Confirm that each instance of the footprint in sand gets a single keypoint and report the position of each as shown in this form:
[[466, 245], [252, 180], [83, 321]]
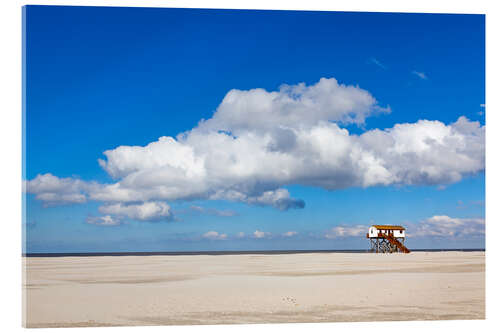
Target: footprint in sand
[[290, 300]]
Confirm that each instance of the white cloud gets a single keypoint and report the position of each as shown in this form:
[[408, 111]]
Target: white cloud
[[106, 220], [261, 234], [279, 198], [259, 142], [213, 211], [292, 106], [445, 226], [420, 75], [214, 235], [482, 105], [341, 231], [147, 211], [251, 169], [378, 63], [54, 190], [240, 234], [290, 233]]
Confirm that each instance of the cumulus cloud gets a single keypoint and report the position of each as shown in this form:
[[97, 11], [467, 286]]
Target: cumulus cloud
[[261, 234], [249, 168], [279, 198], [342, 231], [147, 211], [106, 220], [290, 233], [445, 226], [53, 190], [292, 106], [214, 235], [420, 75], [258, 142]]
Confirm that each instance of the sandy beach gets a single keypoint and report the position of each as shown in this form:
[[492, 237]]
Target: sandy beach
[[232, 289]]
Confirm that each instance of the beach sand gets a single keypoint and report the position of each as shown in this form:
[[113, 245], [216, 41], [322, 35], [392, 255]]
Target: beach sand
[[231, 289]]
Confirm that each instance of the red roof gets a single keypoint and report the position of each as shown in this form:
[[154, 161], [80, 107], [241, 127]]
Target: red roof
[[388, 227]]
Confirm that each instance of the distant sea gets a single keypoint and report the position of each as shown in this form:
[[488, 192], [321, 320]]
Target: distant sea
[[217, 253]]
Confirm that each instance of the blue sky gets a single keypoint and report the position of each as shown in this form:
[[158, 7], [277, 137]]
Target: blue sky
[[100, 78]]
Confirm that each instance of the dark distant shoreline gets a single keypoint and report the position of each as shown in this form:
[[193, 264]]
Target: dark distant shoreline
[[217, 253]]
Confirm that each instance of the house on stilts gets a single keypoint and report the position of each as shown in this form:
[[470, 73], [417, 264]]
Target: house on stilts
[[387, 239]]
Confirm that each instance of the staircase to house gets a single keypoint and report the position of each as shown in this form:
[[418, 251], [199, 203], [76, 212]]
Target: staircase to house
[[391, 239]]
